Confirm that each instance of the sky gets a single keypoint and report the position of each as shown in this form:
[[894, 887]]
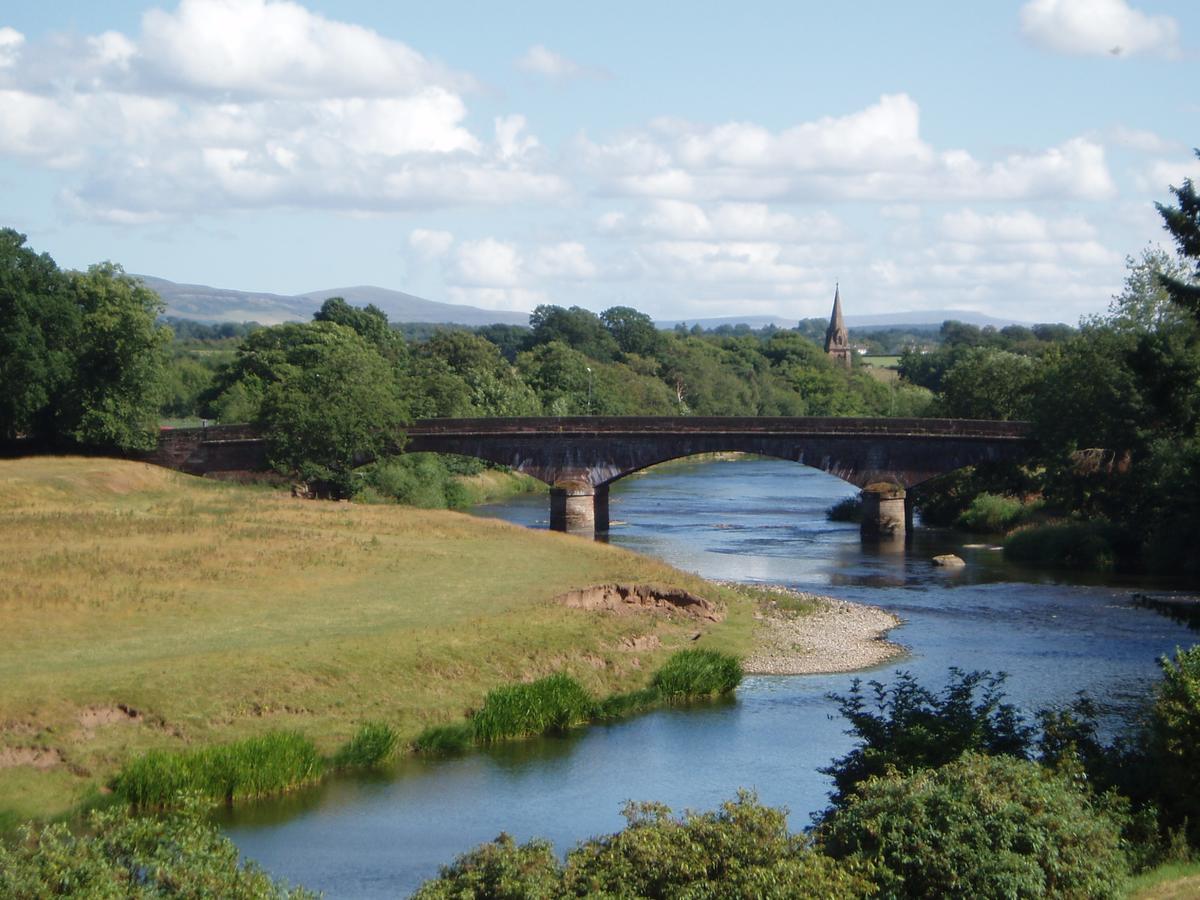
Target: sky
[[689, 159]]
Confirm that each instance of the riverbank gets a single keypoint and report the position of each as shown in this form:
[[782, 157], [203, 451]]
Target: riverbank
[[145, 610], [808, 634]]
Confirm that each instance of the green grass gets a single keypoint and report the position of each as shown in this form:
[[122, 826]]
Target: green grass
[[256, 767], [881, 362], [697, 673], [1170, 881], [219, 613], [1091, 546], [994, 514], [373, 744], [548, 705], [557, 703]]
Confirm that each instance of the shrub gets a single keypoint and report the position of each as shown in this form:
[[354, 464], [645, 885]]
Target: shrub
[[1094, 546], [501, 869], [120, 855], [848, 509], [1175, 739], [256, 767], [444, 739], [992, 514], [550, 704], [741, 850], [978, 827], [373, 744], [909, 727], [697, 673]]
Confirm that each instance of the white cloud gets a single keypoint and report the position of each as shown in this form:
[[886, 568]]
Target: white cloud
[[1020, 225], [488, 263], [540, 60], [10, 46], [238, 104], [1098, 28], [568, 259], [1141, 140], [430, 244], [511, 142], [1158, 175], [276, 48], [876, 152]]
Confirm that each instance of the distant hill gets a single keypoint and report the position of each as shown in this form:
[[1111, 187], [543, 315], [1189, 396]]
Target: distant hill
[[209, 304], [882, 320]]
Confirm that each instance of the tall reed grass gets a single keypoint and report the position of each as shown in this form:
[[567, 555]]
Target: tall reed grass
[[697, 673], [372, 745], [551, 704], [559, 702], [256, 767]]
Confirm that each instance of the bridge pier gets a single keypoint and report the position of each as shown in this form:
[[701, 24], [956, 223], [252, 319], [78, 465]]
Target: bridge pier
[[886, 512], [573, 508], [600, 509]]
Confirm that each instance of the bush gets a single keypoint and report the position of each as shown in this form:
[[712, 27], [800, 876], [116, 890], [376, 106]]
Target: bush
[[373, 744], [992, 514], [255, 767], [444, 739], [501, 870], [909, 727], [120, 855], [741, 850], [697, 673], [1175, 740], [978, 827], [848, 509], [1095, 546], [551, 704]]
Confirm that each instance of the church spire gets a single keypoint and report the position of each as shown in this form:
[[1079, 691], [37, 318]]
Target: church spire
[[837, 338]]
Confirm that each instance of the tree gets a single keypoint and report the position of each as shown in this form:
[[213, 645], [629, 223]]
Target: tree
[[633, 331], [369, 321], [988, 384], [578, 328], [333, 410], [38, 326], [1183, 222], [118, 381], [1144, 305]]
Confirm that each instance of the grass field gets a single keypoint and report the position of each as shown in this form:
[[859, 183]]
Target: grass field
[[144, 609]]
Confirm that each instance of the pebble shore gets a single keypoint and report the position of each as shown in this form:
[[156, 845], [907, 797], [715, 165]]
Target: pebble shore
[[837, 636]]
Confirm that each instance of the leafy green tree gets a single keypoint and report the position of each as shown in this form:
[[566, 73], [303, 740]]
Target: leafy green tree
[[1175, 739], [1145, 306], [633, 331], [578, 328], [1183, 222], [369, 321], [979, 826], [333, 405], [39, 323], [985, 383], [905, 726], [493, 386], [117, 383]]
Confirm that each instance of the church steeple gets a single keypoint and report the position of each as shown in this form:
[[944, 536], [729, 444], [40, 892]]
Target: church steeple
[[837, 338]]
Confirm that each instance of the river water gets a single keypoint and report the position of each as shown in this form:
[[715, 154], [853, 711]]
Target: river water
[[751, 520]]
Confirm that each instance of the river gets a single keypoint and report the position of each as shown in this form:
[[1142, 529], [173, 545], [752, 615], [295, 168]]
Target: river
[[751, 520]]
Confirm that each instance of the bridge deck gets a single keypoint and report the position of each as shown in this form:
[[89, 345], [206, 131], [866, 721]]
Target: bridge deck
[[810, 426]]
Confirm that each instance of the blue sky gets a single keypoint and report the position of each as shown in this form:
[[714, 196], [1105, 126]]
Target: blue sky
[[689, 159]]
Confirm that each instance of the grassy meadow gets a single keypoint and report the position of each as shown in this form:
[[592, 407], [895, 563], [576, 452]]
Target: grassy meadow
[[142, 609]]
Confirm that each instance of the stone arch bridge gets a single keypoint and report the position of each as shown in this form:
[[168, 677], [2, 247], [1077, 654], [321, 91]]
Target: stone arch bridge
[[581, 456]]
